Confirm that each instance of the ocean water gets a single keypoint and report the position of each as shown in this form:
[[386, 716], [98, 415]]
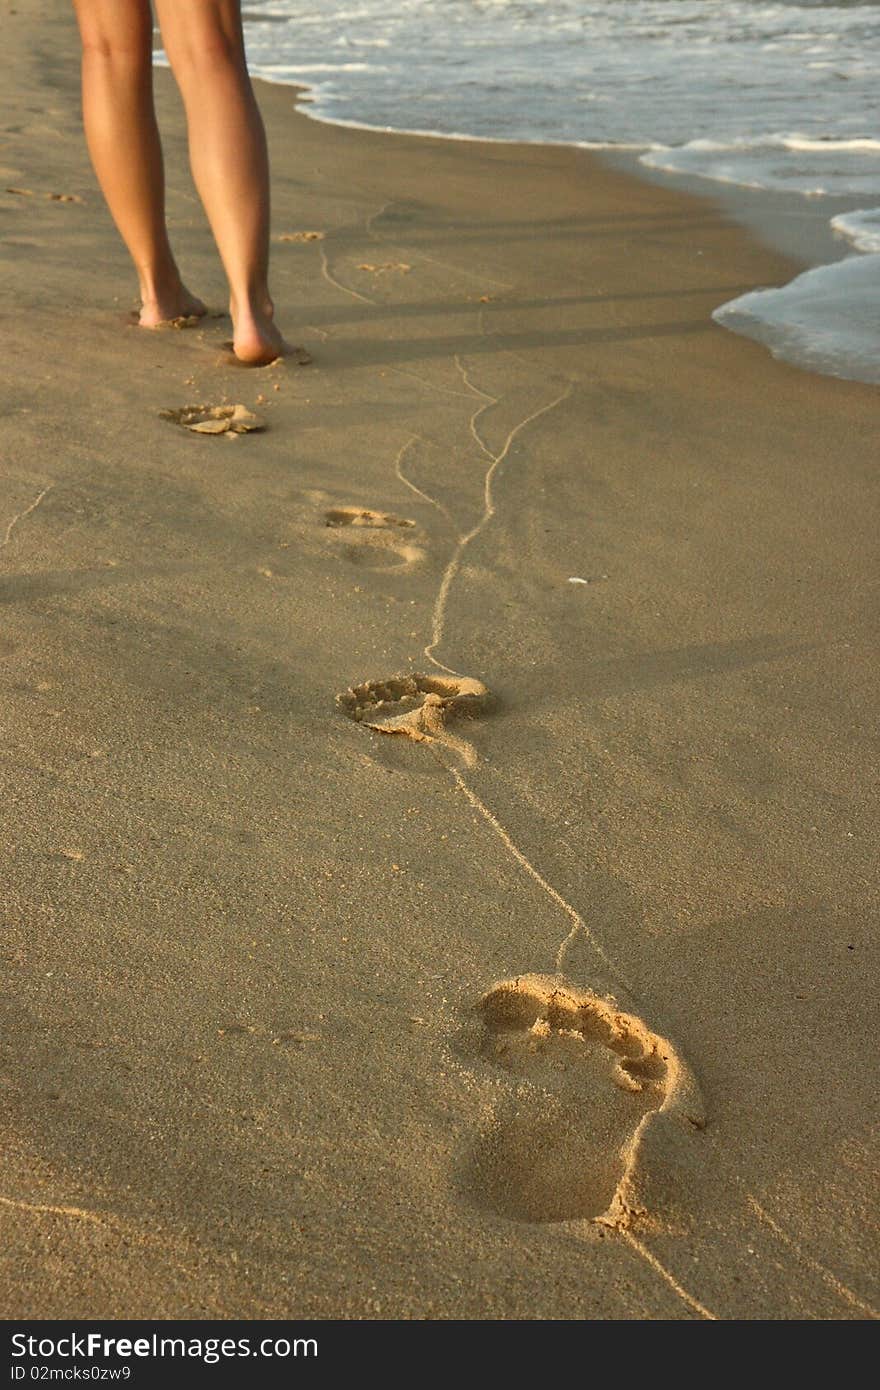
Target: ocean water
[[775, 96]]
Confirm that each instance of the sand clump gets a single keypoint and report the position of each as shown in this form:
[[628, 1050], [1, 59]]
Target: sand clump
[[215, 419]]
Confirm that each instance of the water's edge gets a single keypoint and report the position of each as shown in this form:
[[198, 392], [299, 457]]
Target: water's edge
[[793, 224]]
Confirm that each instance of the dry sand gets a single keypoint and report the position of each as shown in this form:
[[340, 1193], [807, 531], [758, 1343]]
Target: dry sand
[[303, 1019]]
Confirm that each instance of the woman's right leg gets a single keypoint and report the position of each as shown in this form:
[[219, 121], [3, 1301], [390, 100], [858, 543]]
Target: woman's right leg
[[123, 141], [227, 143]]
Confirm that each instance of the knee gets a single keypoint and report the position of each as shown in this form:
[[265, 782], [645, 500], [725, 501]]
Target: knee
[[203, 52], [119, 50]]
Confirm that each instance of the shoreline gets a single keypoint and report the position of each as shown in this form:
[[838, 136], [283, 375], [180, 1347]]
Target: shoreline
[[796, 224], [819, 339], [305, 1020]]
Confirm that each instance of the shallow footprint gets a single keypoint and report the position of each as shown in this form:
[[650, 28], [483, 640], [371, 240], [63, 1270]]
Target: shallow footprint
[[385, 266], [380, 547], [588, 1081], [383, 554], [51, 197], [301, 236], [362, 516]]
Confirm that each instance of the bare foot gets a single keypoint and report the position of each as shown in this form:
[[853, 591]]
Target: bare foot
[[169, 305], [256, 338]]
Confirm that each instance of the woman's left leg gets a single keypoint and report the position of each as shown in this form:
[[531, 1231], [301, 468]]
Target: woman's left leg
[[123, 141]]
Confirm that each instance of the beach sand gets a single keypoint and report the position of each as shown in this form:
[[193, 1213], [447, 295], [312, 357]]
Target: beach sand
[[303, 1019]]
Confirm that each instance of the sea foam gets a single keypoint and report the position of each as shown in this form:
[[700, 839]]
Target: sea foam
[[862, 228], [826, 320], [791, 163]]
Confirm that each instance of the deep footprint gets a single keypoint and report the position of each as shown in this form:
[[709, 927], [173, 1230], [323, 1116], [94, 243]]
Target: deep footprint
[[417, 707], [215, 419], [296, 356], [588, 1081]]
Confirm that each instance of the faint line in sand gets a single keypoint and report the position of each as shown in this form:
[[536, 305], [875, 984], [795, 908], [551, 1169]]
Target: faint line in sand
[[831, 1279], [337, 284], [579, 926], [668, 1278], [476, 391], [438, 617], [399, 473], [472, 386], [45, 1209], [419, 254], [108, 1222], [431, 385], [20, 516]]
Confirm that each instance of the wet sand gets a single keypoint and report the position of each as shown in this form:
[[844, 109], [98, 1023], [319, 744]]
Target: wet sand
[[306, 999]]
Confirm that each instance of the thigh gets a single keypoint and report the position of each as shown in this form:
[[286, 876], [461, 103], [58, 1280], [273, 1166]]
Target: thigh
[[115, 25]]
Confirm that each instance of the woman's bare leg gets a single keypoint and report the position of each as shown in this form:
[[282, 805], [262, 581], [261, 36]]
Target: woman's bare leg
[[123, 141], [227, 143]]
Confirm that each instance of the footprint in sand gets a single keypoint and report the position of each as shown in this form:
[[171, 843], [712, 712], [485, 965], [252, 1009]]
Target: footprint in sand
[[50, 197], [301, 236], [588, 1083], [215, 419], [400, 266], [417, 707], [362, 516], [296, 356], [378, 545], [133, 320]]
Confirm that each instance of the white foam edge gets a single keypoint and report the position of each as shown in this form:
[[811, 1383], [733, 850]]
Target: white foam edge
[[860, 227], [826, 320]]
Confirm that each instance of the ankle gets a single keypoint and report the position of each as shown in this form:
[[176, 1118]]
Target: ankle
[[157, 282], [254, 305]]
